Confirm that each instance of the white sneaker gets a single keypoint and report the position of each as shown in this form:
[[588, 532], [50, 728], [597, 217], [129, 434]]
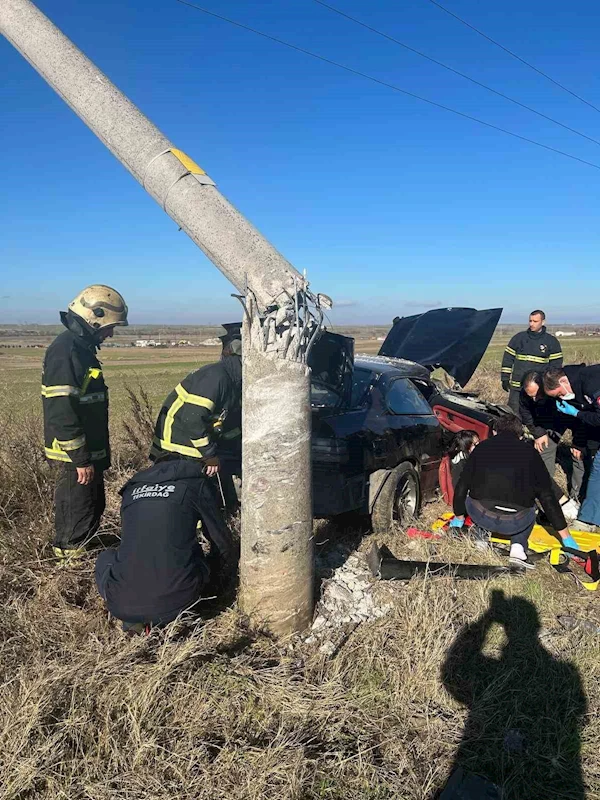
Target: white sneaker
[[570, 509], [518, 557]]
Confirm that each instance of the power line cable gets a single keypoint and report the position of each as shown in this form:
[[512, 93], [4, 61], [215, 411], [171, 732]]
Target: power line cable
[[386, 84], [514, 55], [455, 71]]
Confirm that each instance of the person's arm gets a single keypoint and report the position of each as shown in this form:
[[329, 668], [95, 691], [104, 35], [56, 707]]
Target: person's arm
[[591, 418], [61, 392], [545, 493], [508, 361], [555, 354], [527, 417], [213, 523], [202, 400], [462, 487]]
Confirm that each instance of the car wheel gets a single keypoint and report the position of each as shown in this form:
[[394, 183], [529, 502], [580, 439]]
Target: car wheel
[[399, 500]]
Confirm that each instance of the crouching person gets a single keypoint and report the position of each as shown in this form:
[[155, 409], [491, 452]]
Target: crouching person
[[498, 487], [159, 569]]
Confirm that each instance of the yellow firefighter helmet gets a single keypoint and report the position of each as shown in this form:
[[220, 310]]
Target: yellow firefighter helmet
[[100, 306]]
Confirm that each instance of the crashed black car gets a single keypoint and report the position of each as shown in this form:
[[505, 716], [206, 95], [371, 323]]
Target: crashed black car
[[381, 424]]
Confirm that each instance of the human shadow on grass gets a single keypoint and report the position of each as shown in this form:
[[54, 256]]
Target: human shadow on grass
[[526, 707]]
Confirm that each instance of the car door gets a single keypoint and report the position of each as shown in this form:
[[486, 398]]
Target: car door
[[412, 430]]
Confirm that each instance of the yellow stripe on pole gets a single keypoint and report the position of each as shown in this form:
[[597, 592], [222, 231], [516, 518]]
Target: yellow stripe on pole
[[187, 162]]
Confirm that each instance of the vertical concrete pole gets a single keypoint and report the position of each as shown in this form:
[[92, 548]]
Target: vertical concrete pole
[[276, 563], [276, 566]]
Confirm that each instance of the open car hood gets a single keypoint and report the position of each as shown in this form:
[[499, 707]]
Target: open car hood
[[452, 338]]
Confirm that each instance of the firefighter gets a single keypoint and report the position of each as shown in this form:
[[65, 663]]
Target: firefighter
[[75, 406], [533, 349], [159, 568], [577, 392], [201, 419]]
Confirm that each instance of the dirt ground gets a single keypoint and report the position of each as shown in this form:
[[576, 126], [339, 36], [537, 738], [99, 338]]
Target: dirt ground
[[479, 672]]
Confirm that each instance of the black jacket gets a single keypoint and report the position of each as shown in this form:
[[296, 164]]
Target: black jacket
[[203, 413], [75, 400], [527, 351], [505, 470], [159, 568], [585, 382], [540, 415]]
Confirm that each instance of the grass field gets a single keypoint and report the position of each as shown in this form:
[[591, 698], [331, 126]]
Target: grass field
[[224, 711]]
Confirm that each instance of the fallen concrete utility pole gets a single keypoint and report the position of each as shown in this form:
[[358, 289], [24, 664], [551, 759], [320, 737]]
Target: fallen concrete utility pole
[[385, 566], [282, 319]]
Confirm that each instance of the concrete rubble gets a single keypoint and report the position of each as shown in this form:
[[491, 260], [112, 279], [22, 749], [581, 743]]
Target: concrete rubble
[[348, 598]]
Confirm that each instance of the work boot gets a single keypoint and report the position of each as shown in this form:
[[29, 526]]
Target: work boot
[[135, 628], [518, 557], [67, 555]]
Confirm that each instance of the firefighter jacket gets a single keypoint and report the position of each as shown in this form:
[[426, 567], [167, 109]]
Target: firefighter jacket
[[159, 568], [203, 413], [75, 400], [527, 351], [585, 383]]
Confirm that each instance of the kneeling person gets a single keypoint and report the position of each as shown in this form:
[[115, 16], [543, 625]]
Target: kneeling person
[[159, 569], [500, 482]]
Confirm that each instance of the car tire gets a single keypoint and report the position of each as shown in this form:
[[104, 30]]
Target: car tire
[[398, 501]]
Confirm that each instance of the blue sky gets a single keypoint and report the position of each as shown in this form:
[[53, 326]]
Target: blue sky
[[392, 206]]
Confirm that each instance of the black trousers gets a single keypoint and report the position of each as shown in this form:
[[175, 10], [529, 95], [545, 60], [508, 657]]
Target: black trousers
[[513, 400], [78, 509]]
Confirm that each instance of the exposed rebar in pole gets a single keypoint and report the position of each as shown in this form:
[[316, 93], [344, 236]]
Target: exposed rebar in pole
[[277, 560]]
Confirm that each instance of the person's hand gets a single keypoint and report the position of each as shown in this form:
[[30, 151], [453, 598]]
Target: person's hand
[[85, 475], [457, 522], [576, 453], [542, 443], [506, 386], [566, 408], [568, 540], [212, 466]]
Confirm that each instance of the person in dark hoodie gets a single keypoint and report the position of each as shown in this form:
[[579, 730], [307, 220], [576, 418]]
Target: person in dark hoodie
[[159, 570], [576, 389], [75, 408], [500, 482]]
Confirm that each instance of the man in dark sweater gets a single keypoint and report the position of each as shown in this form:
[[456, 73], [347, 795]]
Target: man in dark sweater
[[499, 485], [159, 569], [547, 425], [577, 392]]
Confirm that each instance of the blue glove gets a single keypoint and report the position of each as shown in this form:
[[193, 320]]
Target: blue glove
[[457, 522], [567, 408], [569, 541]]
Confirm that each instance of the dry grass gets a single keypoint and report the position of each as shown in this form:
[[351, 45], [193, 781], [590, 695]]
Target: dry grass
[[220, 710]]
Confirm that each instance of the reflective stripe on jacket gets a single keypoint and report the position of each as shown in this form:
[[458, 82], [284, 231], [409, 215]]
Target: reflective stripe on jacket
[[202, 411], [75, 403], [527, 351]]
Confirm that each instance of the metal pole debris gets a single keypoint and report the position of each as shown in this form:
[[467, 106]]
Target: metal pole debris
[[282, 318]]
